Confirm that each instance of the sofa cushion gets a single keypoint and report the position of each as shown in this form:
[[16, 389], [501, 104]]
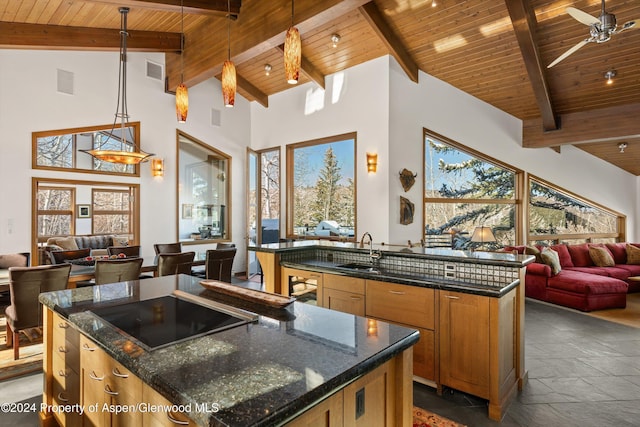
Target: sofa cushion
[[633, 254], [119, 241], [13, 260], [66, 243], [563, 254], [601, 256], [580, 255], [585, 283], [614, 272], [93, 242], [618, 251], [632, 269], [532, 250], [551, 258]]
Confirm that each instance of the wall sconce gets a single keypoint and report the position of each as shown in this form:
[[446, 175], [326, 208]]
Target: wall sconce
[[372, 162], [157, 167]]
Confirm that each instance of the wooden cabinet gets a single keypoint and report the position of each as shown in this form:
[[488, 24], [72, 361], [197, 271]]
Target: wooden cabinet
[[305, 286], [344, 293], [410, 306], [159, 418], [328, 413], [65, 369]]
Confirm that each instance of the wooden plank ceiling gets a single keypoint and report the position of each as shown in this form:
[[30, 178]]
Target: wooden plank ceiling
[[497, 51]]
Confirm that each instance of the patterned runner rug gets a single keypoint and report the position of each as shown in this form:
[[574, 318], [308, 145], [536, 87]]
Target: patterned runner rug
[[424, 418]]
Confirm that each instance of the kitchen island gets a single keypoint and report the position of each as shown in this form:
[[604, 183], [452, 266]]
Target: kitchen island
[[283, 366]]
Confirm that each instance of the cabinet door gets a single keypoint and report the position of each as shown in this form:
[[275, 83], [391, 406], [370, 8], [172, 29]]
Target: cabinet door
[[327, 413], [369, 401], [464, 342], [347, 302], [305, 286]]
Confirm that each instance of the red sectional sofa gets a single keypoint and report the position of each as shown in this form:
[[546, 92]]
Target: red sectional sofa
[[581, 284]]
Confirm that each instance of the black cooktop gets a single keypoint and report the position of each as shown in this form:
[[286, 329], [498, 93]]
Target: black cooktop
[[167, 320]]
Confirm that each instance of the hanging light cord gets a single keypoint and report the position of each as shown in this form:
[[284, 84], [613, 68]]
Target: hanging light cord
[[229, 30], [292, 3], [182, 41], [122, 78]]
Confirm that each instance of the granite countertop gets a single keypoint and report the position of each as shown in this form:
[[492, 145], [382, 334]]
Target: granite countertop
[[261, 373]]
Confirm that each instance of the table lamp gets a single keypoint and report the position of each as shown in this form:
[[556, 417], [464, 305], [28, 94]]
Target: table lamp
[[483, 235]]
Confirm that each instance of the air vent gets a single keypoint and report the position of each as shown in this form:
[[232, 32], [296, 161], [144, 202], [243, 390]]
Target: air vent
[[215, 117], [65, 82], [154, 70]]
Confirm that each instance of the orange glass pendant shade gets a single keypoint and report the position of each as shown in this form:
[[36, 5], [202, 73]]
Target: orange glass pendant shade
[[182, 103], [292, 55], [229, 83]]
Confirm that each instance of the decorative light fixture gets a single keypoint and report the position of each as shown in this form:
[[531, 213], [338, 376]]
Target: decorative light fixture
[[372, 162], [622, 146], [122, 156], [292, 52], [335, 38], [433, 3], [483, 235], [182, 93], [157, 167], [609, 75], [372, 328], [267, 69], [228, 69]]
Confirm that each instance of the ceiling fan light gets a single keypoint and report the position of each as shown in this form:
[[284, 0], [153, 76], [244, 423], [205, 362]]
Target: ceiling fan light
[[292, 55], [229, 83], [182, 103]]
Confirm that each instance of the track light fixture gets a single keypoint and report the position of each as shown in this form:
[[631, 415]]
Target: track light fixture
[[622, 146], [609, 75]]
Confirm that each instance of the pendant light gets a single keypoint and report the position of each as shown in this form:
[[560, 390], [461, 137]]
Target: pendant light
[[182, 93], [228, 69], [124, 156], [292, 52]]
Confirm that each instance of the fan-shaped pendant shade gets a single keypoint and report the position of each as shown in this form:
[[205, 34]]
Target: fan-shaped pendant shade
[[292, 55], [182, 103], [229, 83]]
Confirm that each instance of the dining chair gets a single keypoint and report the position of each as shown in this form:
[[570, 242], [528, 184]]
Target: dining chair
[[179, 263], [25, 285], [117, 270], [218, 264], [167, 248], [129, 251], [225, 245], [59, 257]]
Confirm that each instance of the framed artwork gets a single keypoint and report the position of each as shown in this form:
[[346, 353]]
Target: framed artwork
[[187, 211], [406, 211], [83, 211]]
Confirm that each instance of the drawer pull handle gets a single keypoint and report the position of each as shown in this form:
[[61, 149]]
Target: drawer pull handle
[[61, 398], [63, 325], [61, 349], [93, 376], [355, 298], [451, 297], [175, 421], [110, 392], [396, 292], [86, 347], [118, 374], [62, 373]]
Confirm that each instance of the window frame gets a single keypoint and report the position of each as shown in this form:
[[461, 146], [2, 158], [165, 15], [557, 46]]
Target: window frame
[[97, 212], [70, 212]]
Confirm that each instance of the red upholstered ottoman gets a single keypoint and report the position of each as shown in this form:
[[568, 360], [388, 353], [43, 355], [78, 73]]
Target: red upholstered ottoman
[[586, 292]]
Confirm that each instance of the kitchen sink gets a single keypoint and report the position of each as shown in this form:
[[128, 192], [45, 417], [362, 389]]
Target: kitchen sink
[[365, 268]]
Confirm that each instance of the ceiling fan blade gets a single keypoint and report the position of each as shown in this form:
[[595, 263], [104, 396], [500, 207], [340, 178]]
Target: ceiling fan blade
[[626, 26], [581, 16], [570, 51]]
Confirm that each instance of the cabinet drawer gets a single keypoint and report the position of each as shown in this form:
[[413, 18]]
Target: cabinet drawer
[[63, 397], [347, 302], [344, 283], [411, 305], [65, 375], [65, 340], [152, 397]]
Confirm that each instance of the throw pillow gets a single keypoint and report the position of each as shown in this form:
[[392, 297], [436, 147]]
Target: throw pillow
[[532, 250], [13, 260], [67, 243], [601, 257], [119, 241], [551, 258], [633, 254]]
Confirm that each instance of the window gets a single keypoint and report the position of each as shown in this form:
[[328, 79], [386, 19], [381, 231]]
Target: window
[[464, 190], [55, 212], [60, 149], [112, 211], [204, 197], [558, 216], [321, 186]]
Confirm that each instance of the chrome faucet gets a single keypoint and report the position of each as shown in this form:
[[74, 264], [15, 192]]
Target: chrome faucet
[[374, 255]]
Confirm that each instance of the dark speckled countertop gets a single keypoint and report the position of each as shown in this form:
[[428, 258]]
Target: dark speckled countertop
[[262, 373]]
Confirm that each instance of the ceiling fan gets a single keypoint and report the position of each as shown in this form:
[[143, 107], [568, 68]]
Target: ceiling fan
[[601, 29]]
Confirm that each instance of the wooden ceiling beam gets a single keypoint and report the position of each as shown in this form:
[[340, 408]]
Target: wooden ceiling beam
[[379, 24], [252, 92], [308, 69], [201, 7], [524, 24], [604, 125], [39, 36]]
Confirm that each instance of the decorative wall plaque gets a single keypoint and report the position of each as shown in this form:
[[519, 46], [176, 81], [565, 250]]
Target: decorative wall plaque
[[407, 178], [406, 211]]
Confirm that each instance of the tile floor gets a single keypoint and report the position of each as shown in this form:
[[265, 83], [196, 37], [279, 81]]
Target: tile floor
[[582, 372]]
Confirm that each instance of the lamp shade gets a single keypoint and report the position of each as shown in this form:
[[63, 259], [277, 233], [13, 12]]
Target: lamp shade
[[157, 167], [372, 162], [122, 157], [182, 103], [483, 235], [229, 83], [292, 55]]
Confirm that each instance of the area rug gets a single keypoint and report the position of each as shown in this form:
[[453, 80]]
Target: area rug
[[424, 418], [629, 316], [31, 352]]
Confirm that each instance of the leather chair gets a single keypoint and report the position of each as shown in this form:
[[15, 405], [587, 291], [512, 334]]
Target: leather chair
[[201, 271], [59, 257], [117, 270], [129, 251], [179, 263], [167, 248], [25, 285], [218, 264]]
